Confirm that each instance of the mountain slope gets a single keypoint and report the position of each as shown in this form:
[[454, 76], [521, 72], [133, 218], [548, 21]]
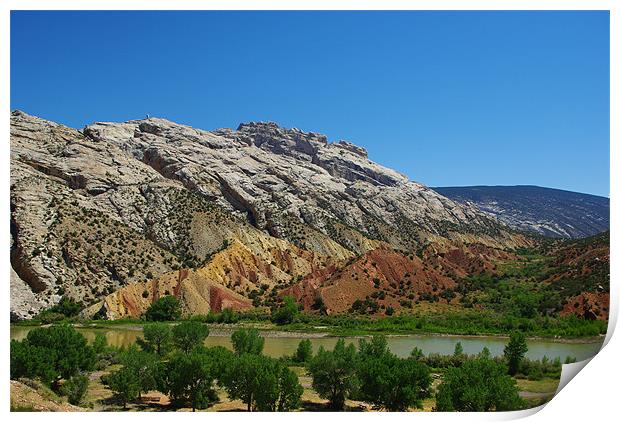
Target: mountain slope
[[123, 204], [549, 212]]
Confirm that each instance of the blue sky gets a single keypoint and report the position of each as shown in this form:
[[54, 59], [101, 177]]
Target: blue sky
[[448, 98]]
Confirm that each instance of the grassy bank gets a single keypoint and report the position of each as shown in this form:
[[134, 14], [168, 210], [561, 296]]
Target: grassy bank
[[480, 323]]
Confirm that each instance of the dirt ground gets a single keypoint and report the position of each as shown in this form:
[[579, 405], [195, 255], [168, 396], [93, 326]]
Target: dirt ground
[[25, 398]]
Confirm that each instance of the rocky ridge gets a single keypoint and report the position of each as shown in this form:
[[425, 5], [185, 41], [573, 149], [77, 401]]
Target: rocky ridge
[[251, 210], [544, 211]]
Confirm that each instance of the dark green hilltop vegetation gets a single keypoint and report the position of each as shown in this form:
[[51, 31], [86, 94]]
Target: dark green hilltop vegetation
[[173, 361]]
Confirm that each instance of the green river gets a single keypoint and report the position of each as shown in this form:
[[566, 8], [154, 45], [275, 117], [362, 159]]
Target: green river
[[285, 343]]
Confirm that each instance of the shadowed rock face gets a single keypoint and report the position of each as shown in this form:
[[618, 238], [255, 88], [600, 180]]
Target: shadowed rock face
[[122, 204]]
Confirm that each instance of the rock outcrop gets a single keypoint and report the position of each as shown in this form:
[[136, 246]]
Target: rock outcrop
[[254, 210]]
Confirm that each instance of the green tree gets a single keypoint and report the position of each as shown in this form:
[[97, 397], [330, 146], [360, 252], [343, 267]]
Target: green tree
[[227, 316], [515, 351], [189, 334], [478, 385], [289, 397], [375, 348], [262, 383], [485, 353], [220, 359], [287, 312], [100, 344], [75, 388], [333, 373], [67, 307], [189, 379], [31, 361], [166, 308], [416, 353], [247, 341], [157, 338], [392, 383], [303, 353], [458, 349], [387, 381], [51, 354], [143, 365], [251, 375], [125, 384]]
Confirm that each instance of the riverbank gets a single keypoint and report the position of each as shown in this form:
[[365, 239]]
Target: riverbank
[[280, 343], [296, 330]]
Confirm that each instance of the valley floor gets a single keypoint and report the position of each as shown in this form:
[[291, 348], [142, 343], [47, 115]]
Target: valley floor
[[28, 395]]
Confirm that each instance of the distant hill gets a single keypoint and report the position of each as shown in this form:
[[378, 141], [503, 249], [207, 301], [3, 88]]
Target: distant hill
[[549, 212]]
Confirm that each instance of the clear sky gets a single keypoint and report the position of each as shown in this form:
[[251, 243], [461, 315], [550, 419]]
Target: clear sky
[[448, 98]]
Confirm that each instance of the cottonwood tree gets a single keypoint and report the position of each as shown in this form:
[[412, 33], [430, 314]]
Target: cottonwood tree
[[167, 308], [515, 351], [53, 353], [303, 353], [157, 338], [125, 384], [287, 312], [389, 382], [247, 341], [189, 379], [189, 334], [478, 385], [143, 365], [333, 373]]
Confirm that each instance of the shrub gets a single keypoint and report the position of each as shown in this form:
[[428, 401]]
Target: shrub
[[479, 385], [287, 312], [333, 373], [166, 308], [247, 341], [75, 388], [157, 338], [515, 351], [303, 353], [50, 354]]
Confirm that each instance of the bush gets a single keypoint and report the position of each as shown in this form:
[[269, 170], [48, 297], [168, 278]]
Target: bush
[[166, 308], [479, 385], [247, 341], [287, 312], [303, 353], [515, 351], [75, 388], [157, 338], [333, 373], [189, 334], [51, 354]]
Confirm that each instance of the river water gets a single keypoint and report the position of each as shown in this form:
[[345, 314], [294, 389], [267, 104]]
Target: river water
[[278, 344]]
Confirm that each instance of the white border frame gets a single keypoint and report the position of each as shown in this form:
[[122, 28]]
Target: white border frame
[[590, 396]]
